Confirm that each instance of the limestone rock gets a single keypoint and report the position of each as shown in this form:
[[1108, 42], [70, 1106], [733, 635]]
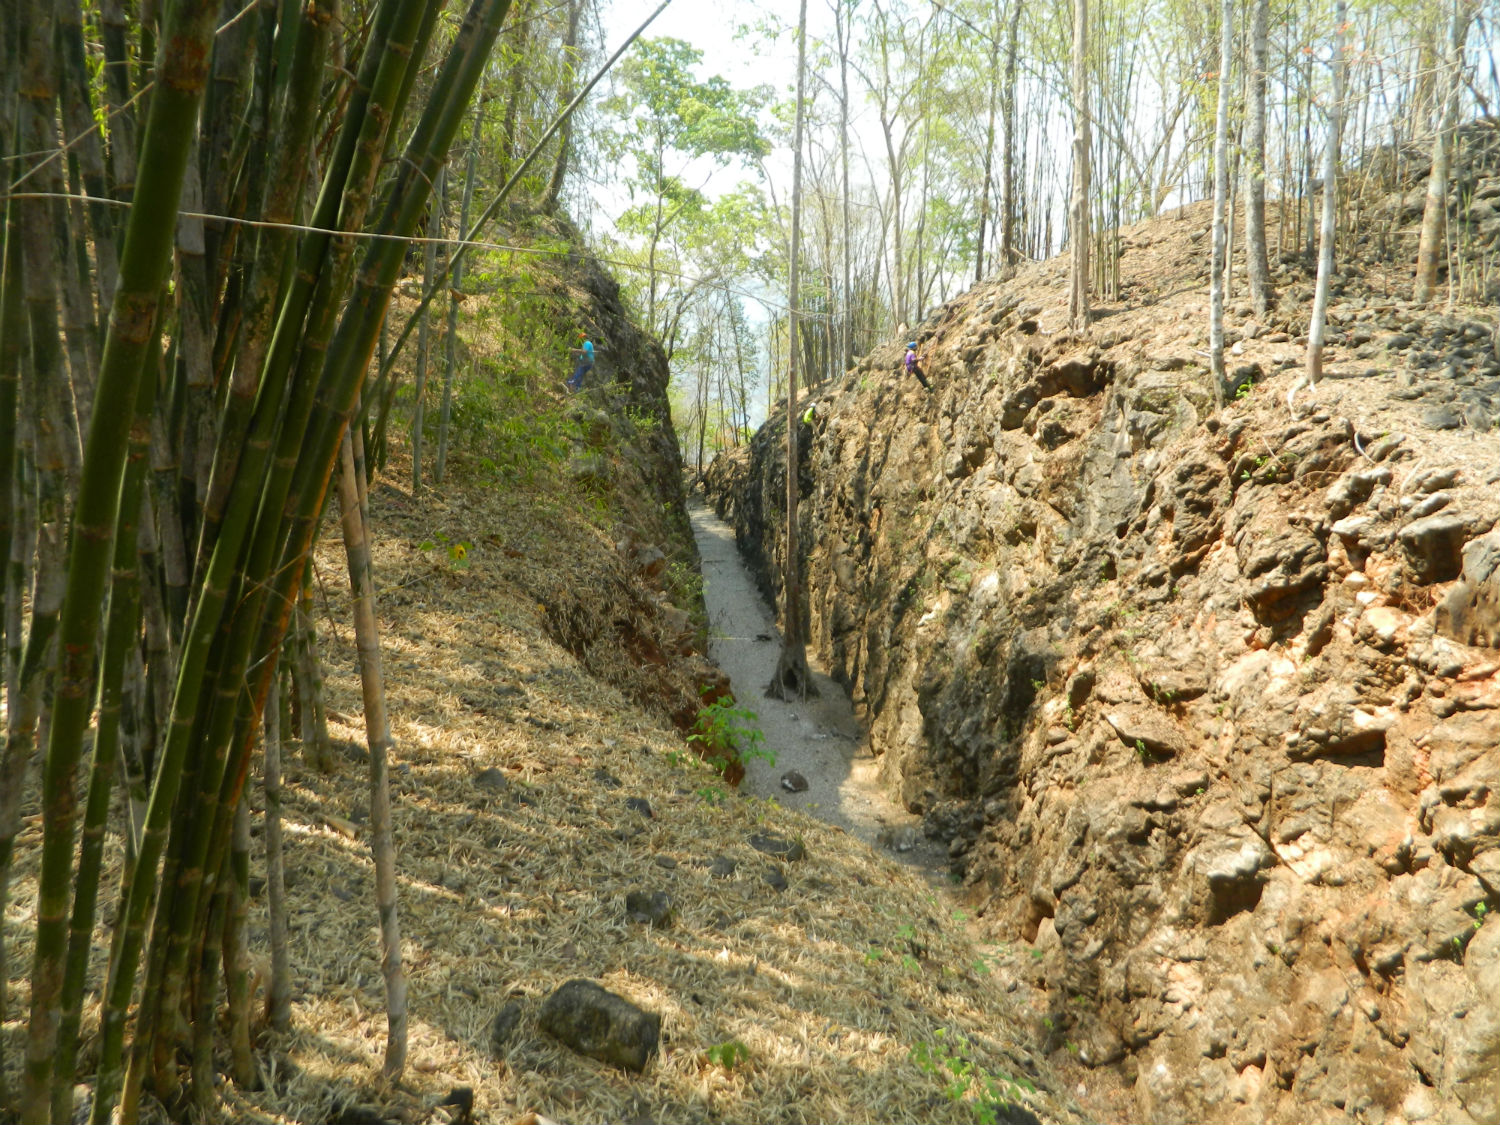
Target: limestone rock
[[597, 1023], [1470, 611], [1146, 729], [1432, 547]]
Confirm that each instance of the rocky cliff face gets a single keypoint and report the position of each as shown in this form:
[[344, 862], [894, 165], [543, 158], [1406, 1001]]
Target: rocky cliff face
[[1204, 699]]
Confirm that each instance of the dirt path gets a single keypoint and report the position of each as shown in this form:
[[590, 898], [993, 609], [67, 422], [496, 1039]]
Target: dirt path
[[819, 738]]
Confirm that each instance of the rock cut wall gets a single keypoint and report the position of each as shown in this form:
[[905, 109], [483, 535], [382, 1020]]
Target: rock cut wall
[[1203, 699]]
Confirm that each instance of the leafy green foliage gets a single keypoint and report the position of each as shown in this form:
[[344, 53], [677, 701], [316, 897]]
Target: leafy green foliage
[[728, 735], [729, 1054], [966, 1082]]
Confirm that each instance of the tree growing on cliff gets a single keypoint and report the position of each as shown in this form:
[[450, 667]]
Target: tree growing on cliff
[[1078, 204], [792, 678]]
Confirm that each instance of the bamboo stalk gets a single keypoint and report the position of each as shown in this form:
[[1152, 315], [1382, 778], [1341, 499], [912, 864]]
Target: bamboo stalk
[[120, 637], [279, 992], [193, 838], [236, 950], [378, 738]]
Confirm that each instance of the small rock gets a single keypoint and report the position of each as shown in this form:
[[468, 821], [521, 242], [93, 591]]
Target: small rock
[[492, 778], [607, 779], [1442, 418], [503, 1026], [597, 1023], [793, 782], [640, 805], [775, 879], [665, 861], [779, 846], [1148, 730], [1433, 547], [722, 867], [654, 909], [1431, 503]]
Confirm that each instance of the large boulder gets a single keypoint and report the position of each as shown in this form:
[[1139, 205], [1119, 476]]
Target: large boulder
[[595, 1022]]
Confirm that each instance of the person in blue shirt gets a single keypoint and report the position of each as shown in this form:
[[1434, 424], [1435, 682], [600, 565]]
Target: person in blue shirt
[[585, 353]]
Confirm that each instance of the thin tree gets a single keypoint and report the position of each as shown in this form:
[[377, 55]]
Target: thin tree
[[378, 739], [455, 293], [1078, 206], [1257, 258], [1315, 328], [1221, 203], [1431, 248], [792, 678]]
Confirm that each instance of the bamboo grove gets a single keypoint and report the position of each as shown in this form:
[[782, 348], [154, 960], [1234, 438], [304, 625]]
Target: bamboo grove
[[208, 205]]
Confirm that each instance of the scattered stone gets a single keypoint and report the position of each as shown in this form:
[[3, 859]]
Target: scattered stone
[[607, 779], [722, 867], [780, 847], [665, 861], [654, 909], [640, 805], [774, 878], [492, 778], [601, 1025], [503, 1026], [1442, 417], [793, 782]]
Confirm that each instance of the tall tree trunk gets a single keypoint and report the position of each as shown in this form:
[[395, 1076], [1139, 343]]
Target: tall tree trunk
[[424, 337], [1257, 258], [792, 678], [1008, 172], [378, 737], [1431, 249], [1078, 207], [846, 322], [565, 94], [450, 343], [1221, 203], [989, 149], [1326, 232]]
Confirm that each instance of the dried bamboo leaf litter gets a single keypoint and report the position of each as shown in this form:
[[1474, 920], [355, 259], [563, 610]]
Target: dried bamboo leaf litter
[[516, 850]]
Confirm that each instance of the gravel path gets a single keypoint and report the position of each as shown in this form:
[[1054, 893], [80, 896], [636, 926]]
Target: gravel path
[[819, 737]]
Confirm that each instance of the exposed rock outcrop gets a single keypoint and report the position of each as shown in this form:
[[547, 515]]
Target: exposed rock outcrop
[[1207, 700]]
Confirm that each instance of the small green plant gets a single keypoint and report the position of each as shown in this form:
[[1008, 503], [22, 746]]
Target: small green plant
[[457, 552], [711, 794], [950, 1058], [1481, 912], [728, 735], [728, 1055]]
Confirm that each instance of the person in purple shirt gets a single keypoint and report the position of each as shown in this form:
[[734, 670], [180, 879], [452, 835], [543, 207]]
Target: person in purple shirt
[[914, 365]]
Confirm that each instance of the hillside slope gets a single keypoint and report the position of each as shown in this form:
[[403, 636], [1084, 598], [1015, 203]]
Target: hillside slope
[[1203, 700], [542, 645]]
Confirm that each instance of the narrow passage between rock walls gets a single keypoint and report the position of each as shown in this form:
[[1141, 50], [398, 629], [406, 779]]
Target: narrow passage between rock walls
[[818, 738]]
